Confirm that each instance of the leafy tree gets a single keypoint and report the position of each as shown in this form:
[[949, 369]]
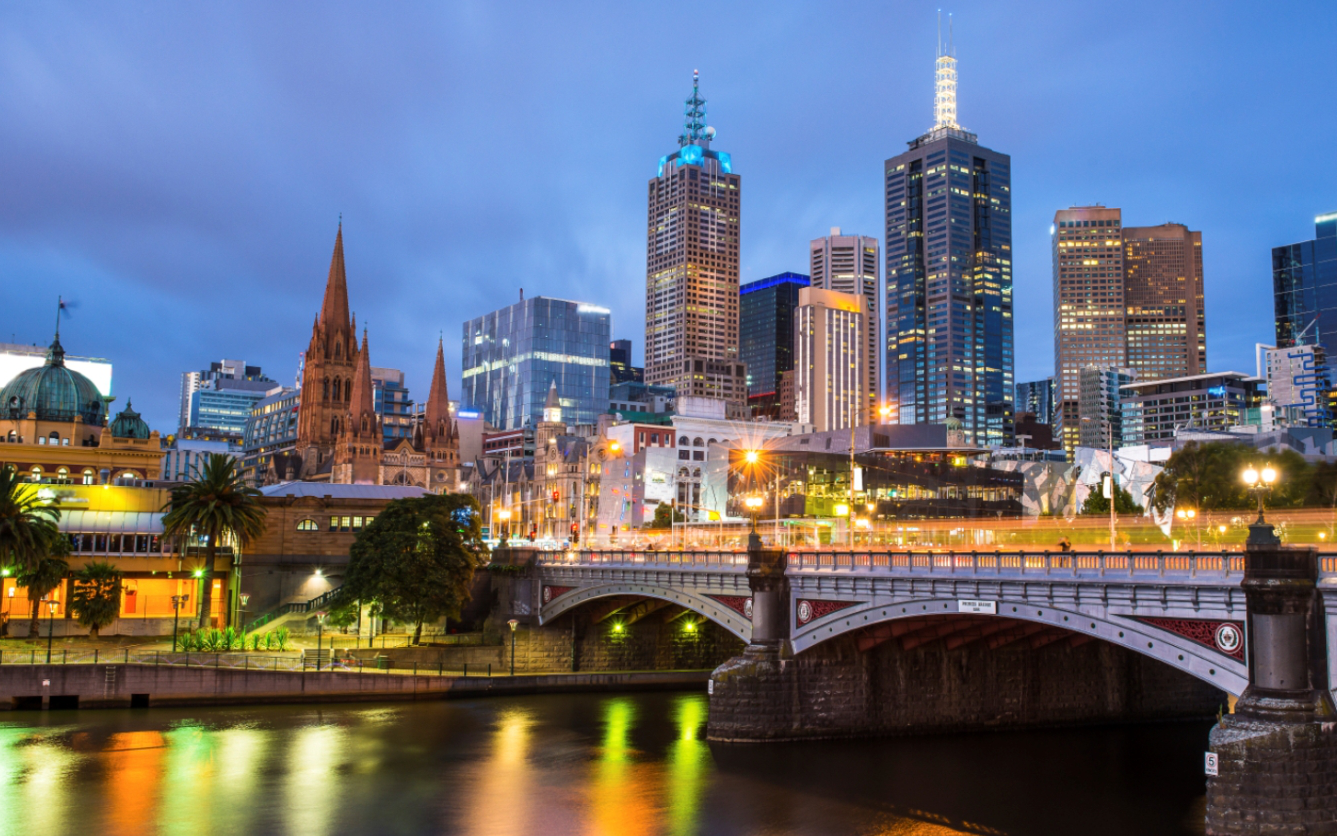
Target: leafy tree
[[666, 515], [1205, 477], [96, 597], [1096, 503], [44, 576], [343, 616], [27, 525], [416, 560], [216, 504]]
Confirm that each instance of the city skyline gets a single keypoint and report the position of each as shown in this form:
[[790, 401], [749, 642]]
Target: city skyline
[[140, 199]]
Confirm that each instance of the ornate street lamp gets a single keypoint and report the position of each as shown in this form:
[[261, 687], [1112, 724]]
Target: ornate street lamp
[[1190, 515], [320, 637], [178, 601], [505, 516], [1260, 482], [513, 624]]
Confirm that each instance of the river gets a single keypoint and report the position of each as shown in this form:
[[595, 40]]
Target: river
[[588, 764]]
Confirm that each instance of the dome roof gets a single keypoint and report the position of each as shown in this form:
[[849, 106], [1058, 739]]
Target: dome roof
[[128, 424], [54, 392]]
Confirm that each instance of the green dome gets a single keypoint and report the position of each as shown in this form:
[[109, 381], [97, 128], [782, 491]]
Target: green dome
[[54, 392], [128, 424]]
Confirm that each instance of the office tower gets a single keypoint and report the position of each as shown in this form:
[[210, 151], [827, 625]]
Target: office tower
[[1299, 384], [849, 264], [949, 277], [1304, 281], [1037, 398], [223, 375], [1100, 405], [1088, 306], [766, 336], [619, 364], [513, 355], [392, 403], [1154, 409], [830, 350], [691, 282], [1165, 323]]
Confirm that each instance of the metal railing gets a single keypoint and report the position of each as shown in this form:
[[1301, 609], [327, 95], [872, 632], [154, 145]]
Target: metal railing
[[1215, 564], [297, 663], [293, 606]]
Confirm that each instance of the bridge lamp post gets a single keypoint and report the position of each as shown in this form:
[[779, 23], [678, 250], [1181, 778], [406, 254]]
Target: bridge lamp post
[[505, 516], [1189, 514], [1260, 482], [513, 624]]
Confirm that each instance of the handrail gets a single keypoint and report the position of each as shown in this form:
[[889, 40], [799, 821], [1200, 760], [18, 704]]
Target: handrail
[[293, 606], [1216, 565]]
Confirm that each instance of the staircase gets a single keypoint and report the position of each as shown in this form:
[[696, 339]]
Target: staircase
[[282, 613]]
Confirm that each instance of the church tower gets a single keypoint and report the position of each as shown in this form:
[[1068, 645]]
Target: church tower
[[327, 375], [361, 441], [440, 436], [552, 424]]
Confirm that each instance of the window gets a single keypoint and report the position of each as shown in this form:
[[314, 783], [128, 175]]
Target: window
[[345, 524], [357, 523], [307, 525], [334, 523], [88, 477], [37, 473]]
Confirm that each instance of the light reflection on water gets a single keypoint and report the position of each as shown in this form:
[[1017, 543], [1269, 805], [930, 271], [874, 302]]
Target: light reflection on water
[[630, 765]]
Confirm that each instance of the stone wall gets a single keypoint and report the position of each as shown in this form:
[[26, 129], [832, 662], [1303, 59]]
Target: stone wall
[[646, 645], [837, 690], [1273, 778]]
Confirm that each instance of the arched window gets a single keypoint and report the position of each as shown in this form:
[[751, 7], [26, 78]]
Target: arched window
[[89, 477], [36, 473], [712, 441], [697, 442], [684, 441], [682, 472], [336, 388], [696, 473], [63, 474], [54, 439], [334, 426], [307, 525], [325, 388], [338, 355], [348, 391]]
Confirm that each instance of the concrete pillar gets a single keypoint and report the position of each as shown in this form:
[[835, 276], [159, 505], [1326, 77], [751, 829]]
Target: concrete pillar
[[1277, 753], [752, 696]]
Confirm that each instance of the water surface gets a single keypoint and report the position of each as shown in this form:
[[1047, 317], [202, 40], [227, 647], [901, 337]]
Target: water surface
[[608, 764]]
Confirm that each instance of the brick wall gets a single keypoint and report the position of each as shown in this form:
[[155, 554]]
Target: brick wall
[[649, 644], [836, 690], [1273, 778]]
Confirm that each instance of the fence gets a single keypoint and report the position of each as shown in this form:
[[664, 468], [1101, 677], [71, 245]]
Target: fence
[[241, 661]]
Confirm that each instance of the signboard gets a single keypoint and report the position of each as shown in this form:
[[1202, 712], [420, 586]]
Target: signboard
[[977, 607], [1211, 765], [858, 478]]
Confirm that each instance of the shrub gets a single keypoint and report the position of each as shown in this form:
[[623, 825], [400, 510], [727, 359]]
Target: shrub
[[281, 638]]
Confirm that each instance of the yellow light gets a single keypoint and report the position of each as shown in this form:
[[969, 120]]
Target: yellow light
[[615, 447], [1221, 529], [1269, 475], [1250, 476], [752, 456], [1323, 535], [842, 510], [861, 523], [753, 502], [503, 515]]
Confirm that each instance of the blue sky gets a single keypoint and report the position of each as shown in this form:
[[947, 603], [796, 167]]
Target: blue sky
[[179, 169]]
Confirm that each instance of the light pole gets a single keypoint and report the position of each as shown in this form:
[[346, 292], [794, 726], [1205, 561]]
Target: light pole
[[178, 601], [1187, 514], [513, 624], [50, 625], [243, 598], [505, 516], [320, 636], [1260, 482], [1114, 495]]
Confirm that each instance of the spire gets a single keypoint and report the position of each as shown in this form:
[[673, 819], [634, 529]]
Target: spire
[[944, 95], [694, 119], [361, 403], [334, 310], [552, 407], [438, 399]]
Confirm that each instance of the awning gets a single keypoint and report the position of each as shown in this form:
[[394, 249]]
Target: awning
[[111, 522]]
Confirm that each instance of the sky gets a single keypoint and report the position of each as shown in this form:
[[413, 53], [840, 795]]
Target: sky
[[179, 170]]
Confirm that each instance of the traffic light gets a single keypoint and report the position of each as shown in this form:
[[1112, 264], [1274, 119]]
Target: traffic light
[[575, 533], [554, 496]]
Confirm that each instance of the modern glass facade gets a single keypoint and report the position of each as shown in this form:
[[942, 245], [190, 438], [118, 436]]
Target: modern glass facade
[[511, 357], [223, 411], [766, 329], [1037, 398], [1304, 280], [390, 399]]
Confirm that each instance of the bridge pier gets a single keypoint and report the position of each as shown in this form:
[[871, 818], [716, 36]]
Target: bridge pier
[[1277, 753]]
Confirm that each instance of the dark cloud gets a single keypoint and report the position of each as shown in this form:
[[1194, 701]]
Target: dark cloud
[[180, 168]]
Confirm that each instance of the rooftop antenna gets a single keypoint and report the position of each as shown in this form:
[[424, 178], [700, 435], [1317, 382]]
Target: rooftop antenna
[[944, 95]]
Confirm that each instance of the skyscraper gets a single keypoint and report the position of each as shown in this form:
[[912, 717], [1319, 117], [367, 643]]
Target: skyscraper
[[766, 336], [1166, 323], [1304, 280], [1037, 398], [1088, 306], [512, 356], [830, 350], [691, 281], [849, 264], [619, 364], [217, 400], [949, 276]]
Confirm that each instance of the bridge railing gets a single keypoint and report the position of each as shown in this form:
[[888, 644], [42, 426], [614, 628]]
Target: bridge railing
[[1192, 564], [646, 557]]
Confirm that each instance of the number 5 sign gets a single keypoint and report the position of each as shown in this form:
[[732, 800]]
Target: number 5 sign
[[1210, 766]]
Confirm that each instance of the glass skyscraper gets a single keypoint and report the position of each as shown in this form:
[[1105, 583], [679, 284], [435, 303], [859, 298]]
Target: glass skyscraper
[[511, 357], [949, 277], [1304, 279], [766, 330]]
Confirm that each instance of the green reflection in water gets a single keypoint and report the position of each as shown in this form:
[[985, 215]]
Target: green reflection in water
[[314, 758], [688, 764], [188, 781], [240, 756], [36, 770]]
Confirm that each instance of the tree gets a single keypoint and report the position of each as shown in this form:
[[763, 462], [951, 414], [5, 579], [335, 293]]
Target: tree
[[666, 515], [1323, 487], [27, 525], [216, 504], [96, 597], [415, 562], [1096, 503], [343, 616], [1204, 477], [43, 577]]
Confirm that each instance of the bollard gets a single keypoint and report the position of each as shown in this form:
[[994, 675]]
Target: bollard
[[415, 668], [276, 663], [489, 668], [65, 656], [127, 656], [95, 655], [246, 663], [466, 668], [32, 657], [155, 658], [440, 668]]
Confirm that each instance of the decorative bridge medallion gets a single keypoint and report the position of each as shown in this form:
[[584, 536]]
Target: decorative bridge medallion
[[809, 610], [551, 592], [1222, 636], [738, 603]]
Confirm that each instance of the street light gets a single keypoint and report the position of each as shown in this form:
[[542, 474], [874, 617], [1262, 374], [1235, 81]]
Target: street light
[[884, 411], [1260, 482], [513, 623], [1189, 514], [178, 601], [320, 636], [752, 456], [753, 504], [50, 624], [505, 516]]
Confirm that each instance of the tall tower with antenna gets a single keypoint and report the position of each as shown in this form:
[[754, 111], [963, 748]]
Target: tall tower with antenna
[[949, 352]]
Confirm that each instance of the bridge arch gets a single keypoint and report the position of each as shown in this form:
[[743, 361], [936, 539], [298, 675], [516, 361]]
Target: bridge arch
[[730, 619], [1194, 658]]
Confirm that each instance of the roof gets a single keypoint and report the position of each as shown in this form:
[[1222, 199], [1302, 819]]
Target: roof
[[324, 489], [53, 392], [1239, 376], [80, 521]]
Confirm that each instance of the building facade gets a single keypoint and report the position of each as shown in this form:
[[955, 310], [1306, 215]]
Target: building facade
[[830, 352], [184, 456], [1299, 384], [513, 355], [391, 399], [849, 264], [691, 283], [271, 430], [1166, 322], [1037, 398], [1100, 405], [1304, 284], [620, 369], [230, 381], [949, 277], [766, 334], [19, 358], [1155, 410]]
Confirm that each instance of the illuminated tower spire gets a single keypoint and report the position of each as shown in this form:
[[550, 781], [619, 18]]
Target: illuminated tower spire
[[944, 95], [694, 120]]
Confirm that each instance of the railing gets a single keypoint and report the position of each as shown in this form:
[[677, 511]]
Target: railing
[[294, 606], [297, 663], [1219, 565]]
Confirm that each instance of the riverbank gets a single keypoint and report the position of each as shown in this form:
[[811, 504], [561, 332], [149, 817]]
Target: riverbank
[[33, 687]]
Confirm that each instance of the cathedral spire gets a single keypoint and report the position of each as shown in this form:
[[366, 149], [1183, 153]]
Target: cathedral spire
[[362, 406], [438, 399], [334, 310]]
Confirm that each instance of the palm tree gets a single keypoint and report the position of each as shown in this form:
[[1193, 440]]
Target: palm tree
[[96, 597], [27, 525], [217, 503], [43, 577]]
